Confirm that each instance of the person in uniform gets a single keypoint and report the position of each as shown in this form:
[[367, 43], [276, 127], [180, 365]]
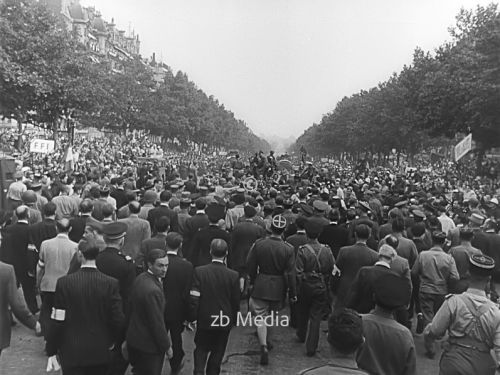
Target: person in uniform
[[473, 325], [345, 336], [389, 348], [112, 262], [271, 268], [314, 265]]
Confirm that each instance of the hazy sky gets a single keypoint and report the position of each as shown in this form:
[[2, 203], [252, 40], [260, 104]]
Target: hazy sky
[[279, 65]]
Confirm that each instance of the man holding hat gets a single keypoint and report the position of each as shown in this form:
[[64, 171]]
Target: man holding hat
[[389, 348], [314, 265], [271, 265], [473, 325]]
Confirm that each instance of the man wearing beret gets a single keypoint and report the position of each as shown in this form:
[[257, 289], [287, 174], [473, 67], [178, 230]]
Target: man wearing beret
[[271, 266], [389, 348], [473, 325], [314, 265], [437, 271]]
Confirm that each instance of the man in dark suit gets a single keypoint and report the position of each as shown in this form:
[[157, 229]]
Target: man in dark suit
[[243, 236], [195, 223], [147, 336], [334, 234], [45, 229], [87, 318], [360, 296], [163, 210], [158, 241], [78, 223], [14, 251], [176, 286], [200, 247], [350, 261], [215, 293], [10, 298], [119, 194]]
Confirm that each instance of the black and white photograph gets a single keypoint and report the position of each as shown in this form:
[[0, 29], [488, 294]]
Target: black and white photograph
[[249, 187]]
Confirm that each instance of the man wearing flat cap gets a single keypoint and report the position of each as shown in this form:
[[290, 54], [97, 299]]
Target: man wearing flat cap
[[397, 354], [270, 264], [472, 321]]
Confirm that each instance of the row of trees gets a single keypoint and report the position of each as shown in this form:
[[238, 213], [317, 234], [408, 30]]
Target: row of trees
[[47, 78], [456, 90]]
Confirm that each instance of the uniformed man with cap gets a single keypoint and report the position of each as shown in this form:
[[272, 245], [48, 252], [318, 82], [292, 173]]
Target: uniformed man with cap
[[461, 254], [270, 265], [314, 265], [473, 325], [112, 262]]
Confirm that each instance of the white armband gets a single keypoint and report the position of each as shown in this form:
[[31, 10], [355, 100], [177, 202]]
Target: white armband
[[58, 314], [195, 293]]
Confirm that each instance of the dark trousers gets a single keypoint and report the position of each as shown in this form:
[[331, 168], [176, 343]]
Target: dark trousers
[[28, 284], [415, 301], [210, 344], [88, 370], [145, 363], [430, 304], [176, 328], [46, 310], [118, 365], [311, 307]]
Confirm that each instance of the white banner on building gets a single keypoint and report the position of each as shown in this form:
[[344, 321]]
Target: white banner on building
[[42, 146], [463, 147]]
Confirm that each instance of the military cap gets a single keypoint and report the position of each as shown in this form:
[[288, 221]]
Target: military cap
[[401, 204], [114, 231], [278, 222], [240, 191], [419, 213], [186, 200], [392, 291], [320, 205], [306, 209], [476, 219], [466, 230], [439, 235], [174, 187], [481, 265], [203, 188], [364, 205], [39, 175]]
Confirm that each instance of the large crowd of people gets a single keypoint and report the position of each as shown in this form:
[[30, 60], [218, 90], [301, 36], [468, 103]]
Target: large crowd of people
[[127, 245]]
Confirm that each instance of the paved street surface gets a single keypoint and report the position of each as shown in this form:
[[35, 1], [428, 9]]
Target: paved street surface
[[26, 357]]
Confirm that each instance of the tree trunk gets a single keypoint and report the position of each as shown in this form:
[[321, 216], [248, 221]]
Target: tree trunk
[[479, 159], [20, 130]]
